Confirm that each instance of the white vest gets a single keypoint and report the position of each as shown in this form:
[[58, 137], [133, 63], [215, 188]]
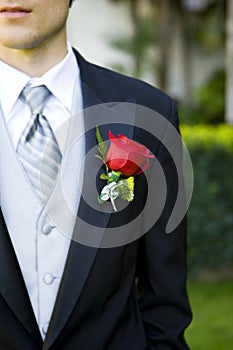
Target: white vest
[[41, 235]]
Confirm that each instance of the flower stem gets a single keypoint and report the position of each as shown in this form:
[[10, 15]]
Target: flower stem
[[113, 204]]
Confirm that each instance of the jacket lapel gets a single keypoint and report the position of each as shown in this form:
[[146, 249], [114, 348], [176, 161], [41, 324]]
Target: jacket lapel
[[12, 286], [91, 224]]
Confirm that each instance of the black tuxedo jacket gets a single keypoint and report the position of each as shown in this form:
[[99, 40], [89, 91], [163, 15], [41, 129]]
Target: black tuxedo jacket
[[99, 305]]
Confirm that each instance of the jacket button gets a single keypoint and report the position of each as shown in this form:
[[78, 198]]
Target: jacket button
[[47, 229]]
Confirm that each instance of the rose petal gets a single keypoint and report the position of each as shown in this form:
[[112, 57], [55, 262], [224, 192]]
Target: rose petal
[[143, 167], [127, 156], [125, 143], [129, 168], [115, 157]]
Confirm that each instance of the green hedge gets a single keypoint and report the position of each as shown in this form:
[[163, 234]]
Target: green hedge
[[210, 215]]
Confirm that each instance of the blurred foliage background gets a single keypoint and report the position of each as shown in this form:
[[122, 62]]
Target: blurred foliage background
[[197, 30], [201, 31], [210, 214]]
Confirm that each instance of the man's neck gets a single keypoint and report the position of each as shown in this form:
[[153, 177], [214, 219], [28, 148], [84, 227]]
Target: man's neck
[[33, 62]]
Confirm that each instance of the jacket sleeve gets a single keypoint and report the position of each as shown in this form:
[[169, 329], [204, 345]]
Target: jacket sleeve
[[161, 265]]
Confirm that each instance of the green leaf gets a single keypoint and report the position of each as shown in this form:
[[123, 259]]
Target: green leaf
[[104, 177], [100, 200], [100, 158], [114, 176], [103, 149]]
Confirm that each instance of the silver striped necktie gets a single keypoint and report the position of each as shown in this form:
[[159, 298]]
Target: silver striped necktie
[[37, 148]]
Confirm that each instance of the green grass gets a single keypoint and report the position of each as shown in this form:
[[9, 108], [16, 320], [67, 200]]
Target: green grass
[[212, 326]]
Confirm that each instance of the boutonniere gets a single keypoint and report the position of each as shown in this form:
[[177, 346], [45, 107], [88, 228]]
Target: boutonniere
[[123, 160]]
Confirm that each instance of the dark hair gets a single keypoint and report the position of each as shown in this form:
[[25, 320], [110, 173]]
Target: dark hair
[[71, 2]]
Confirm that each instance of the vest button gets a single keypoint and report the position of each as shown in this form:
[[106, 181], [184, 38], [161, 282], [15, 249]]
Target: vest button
[[48, 278], [47, 229], [45, 328]]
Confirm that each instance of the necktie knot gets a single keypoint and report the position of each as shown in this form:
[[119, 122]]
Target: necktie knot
[[35, 97]]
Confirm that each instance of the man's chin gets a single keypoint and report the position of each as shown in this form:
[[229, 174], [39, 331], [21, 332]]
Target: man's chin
[[17, 42], [23, 44]]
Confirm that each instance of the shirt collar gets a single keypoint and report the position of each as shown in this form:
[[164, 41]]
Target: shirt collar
[[59, 80], [12, 82]]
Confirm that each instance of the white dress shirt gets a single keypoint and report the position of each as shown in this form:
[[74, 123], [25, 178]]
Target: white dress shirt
[[60, 80], [42, 253]]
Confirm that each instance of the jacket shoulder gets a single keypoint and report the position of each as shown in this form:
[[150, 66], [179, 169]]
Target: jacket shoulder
[[122, 87], [144, 93]]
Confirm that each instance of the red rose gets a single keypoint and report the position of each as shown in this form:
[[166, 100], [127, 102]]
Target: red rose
[[127, 156]]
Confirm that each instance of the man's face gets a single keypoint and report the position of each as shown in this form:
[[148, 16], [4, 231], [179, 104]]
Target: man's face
[[27, 24]]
